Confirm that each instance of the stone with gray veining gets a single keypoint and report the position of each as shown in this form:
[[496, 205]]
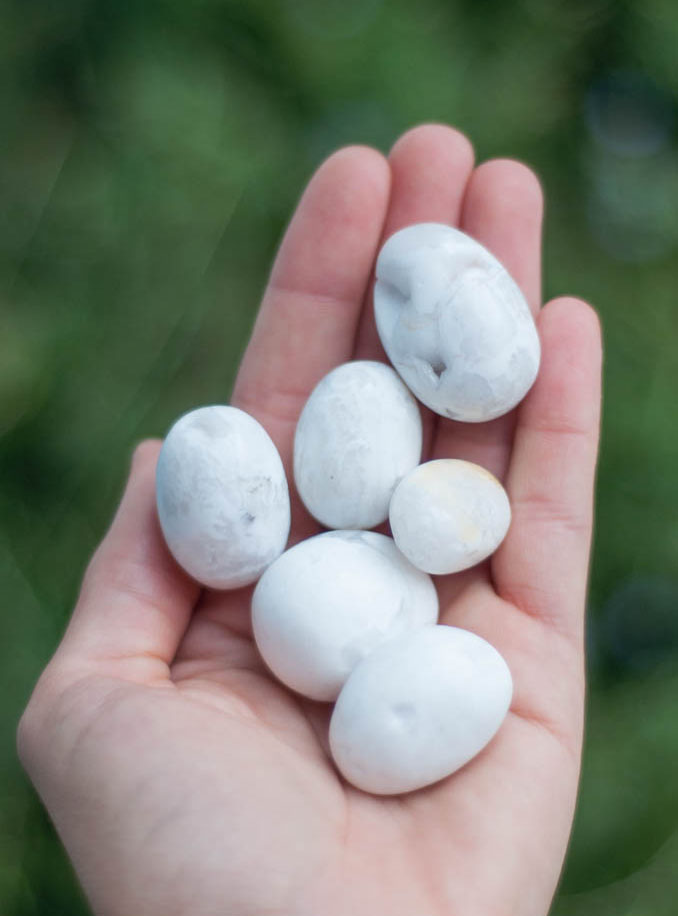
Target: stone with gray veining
[[358, 435], [454, 324], [222, 496]]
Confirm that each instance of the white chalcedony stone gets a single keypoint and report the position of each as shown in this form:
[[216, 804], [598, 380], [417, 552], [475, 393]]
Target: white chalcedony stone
[[447, 515], [418, 708], [453, 323], [331, 600], [357, 436], [222, 496]]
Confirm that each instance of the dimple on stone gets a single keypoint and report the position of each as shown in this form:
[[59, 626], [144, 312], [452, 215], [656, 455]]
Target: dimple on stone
[[404, 716]]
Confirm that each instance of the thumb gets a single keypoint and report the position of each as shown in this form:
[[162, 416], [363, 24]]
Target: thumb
[[135, 602]]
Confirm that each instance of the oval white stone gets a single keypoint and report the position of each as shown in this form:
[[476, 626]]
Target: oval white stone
[[447, 515], [357, 436], [418, 708], [327, 602], [222, 496], [453, 323]]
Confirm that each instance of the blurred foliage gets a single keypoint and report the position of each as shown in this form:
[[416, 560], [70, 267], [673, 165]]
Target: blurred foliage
[[151, 155]]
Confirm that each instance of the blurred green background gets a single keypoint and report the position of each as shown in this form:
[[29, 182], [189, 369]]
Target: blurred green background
[[151, 155]]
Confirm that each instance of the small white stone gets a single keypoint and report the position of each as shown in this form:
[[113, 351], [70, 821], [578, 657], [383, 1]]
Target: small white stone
[[357, 436], [453, 323], [222, 496], [329, 601], [448, 515], [417, 709]]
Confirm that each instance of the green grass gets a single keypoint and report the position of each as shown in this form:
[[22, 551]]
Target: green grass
[[151, 156]]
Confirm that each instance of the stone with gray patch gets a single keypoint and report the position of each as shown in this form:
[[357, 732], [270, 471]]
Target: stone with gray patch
[[222, 496]]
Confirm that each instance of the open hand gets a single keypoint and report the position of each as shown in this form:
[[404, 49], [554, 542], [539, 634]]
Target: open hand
[[183, 779]]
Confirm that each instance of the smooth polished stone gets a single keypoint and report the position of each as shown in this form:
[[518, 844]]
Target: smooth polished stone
[[417, 709], [329, 601]]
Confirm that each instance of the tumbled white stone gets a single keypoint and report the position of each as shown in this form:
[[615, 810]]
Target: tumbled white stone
[[447, 515], [453, 323], [357, 436], [222, 496], [329, 601], [418, 708]]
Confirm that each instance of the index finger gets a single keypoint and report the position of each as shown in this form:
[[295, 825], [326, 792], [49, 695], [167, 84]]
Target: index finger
[[307, 321]]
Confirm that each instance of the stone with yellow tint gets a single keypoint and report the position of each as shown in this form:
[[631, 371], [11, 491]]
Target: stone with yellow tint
[[447, 515]]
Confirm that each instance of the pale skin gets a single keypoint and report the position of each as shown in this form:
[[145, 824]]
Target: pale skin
[[183, 779]]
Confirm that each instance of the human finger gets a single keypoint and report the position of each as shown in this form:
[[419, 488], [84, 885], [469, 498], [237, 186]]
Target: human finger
[[542, 565], [308, 317], [135, 602], [502, 209]]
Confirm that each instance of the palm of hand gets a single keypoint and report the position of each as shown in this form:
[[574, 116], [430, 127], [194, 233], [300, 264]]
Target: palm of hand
[[182, 778]]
